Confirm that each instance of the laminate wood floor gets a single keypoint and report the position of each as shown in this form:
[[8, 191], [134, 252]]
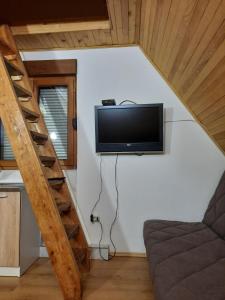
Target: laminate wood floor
[[120, 279]]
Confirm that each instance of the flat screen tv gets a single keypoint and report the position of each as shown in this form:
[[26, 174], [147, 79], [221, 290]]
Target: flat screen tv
[[129, 128]]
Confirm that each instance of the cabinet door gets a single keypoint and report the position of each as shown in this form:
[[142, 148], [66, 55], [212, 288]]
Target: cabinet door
[[9, 228]]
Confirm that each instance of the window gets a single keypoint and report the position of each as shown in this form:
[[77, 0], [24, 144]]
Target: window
[[57, 99], [5, 150], [54, 107]]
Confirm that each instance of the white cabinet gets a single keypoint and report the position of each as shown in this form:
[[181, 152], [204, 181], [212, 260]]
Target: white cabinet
[[19, 234]]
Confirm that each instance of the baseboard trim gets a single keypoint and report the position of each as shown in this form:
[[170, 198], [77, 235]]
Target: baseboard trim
[[130, 254], [95, 254], [43, 252], [105, 252], [93, 248], [8, 272]]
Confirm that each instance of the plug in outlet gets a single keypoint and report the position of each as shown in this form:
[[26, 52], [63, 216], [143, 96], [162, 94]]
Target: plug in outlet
[[94, 219]]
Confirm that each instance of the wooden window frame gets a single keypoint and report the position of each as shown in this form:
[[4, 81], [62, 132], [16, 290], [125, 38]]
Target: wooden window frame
[[50, 73], [69, 81]]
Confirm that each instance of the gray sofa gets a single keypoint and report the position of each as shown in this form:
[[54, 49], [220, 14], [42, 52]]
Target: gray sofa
[[187, 260]]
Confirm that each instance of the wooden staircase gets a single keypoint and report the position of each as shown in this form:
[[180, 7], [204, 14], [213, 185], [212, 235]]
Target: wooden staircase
[[43, 177]]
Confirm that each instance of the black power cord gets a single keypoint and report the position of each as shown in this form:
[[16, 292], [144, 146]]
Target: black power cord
[[99, 244], [95, 205], [117, 207], [116, 213], [130, 101], [100, 192]]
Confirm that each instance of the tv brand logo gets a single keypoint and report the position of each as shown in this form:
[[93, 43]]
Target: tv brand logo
[[128, 145]]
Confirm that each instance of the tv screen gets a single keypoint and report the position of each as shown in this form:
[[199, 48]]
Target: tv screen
[[129, 128]]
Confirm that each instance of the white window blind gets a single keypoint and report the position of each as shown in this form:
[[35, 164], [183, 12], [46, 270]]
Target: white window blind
[[53, 103], [6, 150]]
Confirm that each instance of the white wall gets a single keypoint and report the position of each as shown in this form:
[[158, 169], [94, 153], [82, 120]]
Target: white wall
[[174, 186]]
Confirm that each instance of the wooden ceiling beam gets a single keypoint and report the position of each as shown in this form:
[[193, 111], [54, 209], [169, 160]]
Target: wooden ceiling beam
[[61, 27]]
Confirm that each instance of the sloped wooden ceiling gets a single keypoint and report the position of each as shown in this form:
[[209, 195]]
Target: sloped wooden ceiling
[[184, 39]]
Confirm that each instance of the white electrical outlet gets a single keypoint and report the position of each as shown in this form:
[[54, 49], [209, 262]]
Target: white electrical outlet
[[94, 218]]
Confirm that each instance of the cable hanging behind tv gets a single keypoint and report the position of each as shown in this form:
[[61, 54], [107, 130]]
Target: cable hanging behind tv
[[136, 128]]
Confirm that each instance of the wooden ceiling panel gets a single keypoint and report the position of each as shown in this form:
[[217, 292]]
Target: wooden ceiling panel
[[188, 48], [184, 39], [213, 111], [202, 15], [125, 19]]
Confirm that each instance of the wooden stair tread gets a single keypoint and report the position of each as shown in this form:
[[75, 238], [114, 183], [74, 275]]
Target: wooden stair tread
[[6, 50], [24, 99], [16, 77], [47, 161], [63, 207], [80, 255], [56, 183], [71, 230], [39, 138], [13, 69], [29, 114], [21, 92], [52, 172]]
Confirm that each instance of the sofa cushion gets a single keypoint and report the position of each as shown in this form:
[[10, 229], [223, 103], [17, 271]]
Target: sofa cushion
[[187, 260], [215, 213]]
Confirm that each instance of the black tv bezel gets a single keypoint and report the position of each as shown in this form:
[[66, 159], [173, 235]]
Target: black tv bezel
[[113, 148]]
